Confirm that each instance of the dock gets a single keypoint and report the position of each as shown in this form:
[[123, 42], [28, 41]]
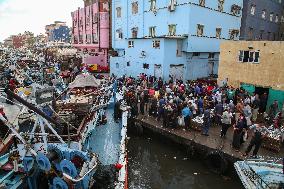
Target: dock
[[215, 150]]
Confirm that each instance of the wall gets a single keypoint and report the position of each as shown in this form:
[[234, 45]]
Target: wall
[[62, 33], [186, 16], [257, 23], [93, 21], [268, 73]]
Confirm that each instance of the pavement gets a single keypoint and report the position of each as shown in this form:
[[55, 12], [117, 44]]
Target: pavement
[[213, 141]]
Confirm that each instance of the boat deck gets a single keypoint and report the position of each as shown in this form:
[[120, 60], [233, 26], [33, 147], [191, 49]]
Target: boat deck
[[105, 139]]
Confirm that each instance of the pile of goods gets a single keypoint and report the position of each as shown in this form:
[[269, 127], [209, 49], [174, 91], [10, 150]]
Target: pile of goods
[[197, 122], [274, 139]]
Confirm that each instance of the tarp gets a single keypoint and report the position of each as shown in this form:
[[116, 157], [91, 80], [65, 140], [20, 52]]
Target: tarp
[[84, 80], [249, 88], [275, 95]]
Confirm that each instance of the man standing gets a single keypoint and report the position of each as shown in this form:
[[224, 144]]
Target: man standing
[[226, 122], [239, 109], [218, 112], [206, 122], [256, 140], [186, 113], [255, 107]]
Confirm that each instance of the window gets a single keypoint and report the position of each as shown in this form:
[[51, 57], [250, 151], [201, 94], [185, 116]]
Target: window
[[196, 54], [95, 18], [88, 39], [117, 65], [218, 33], [250, 34], [249, 56], [202, 3], [135, 7], [95, 38], [252, 10], [134, 32], [119, 34], [152, 31], [233, 34], [118, 12], [172, 5], [261, 34], [179, 48], [200, 29], [211, 55], [271, 17], [263, 14], [146, 66], [221, 5], [128, 63], [268, 35], [130, 44], [156, 44], [172, 29], [235, 9], [274, 36], [153, 5], [276, 18]]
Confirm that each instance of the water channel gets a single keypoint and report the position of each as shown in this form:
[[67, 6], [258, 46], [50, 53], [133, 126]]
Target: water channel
[[155, 165]]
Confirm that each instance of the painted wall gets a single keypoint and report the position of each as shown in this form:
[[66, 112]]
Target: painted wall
[[61, 34], [268, 72], [258, 23], [91, 32], [186, 17]]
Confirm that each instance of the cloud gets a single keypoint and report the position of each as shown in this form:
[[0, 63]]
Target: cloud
[[17, 16]]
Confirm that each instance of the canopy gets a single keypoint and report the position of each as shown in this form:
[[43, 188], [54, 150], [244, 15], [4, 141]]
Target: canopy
[[84, 80]]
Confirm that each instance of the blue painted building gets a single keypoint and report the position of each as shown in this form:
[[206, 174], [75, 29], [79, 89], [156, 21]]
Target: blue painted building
[[58, 32], [261, 20], [62, 34], [172, 37]]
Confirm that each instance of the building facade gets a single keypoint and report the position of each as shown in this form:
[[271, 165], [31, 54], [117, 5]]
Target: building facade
[[91, 31], [255, 65], [282, 26], [261, 20], [170, 37], [58, 32]]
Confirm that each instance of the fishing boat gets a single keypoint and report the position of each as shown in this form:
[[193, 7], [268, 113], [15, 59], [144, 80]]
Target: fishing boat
[[74, 143], [261, 173]]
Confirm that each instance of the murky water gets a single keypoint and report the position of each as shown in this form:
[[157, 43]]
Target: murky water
[[155, 165]]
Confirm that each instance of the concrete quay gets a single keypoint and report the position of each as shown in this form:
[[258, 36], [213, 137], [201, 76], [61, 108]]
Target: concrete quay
[[216, 152]]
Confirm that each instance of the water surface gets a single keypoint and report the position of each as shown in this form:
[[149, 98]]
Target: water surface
[[156, 165]]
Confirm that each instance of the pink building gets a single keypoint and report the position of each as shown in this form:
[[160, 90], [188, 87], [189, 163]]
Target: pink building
[[91, 31]]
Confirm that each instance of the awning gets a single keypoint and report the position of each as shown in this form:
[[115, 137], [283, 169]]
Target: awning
[[84, 80]]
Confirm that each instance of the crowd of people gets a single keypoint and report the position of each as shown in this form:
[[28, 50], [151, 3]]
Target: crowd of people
[[177, 103]]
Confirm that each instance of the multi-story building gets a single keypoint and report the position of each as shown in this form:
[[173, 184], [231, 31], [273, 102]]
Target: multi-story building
[[58, 32], [8, 42], [180, 38], [282, 26], [257, 66], [91, 31], [18, 41], [261, 20]]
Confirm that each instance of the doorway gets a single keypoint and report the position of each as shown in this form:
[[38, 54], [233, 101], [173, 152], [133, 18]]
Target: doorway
[[158, 73], [263, 97], [177, 71]]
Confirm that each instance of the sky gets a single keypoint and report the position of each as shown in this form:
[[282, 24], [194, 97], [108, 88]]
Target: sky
[[17, 16]]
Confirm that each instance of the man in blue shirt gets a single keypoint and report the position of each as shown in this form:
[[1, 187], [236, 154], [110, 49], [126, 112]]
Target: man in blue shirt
[[186, 113]]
